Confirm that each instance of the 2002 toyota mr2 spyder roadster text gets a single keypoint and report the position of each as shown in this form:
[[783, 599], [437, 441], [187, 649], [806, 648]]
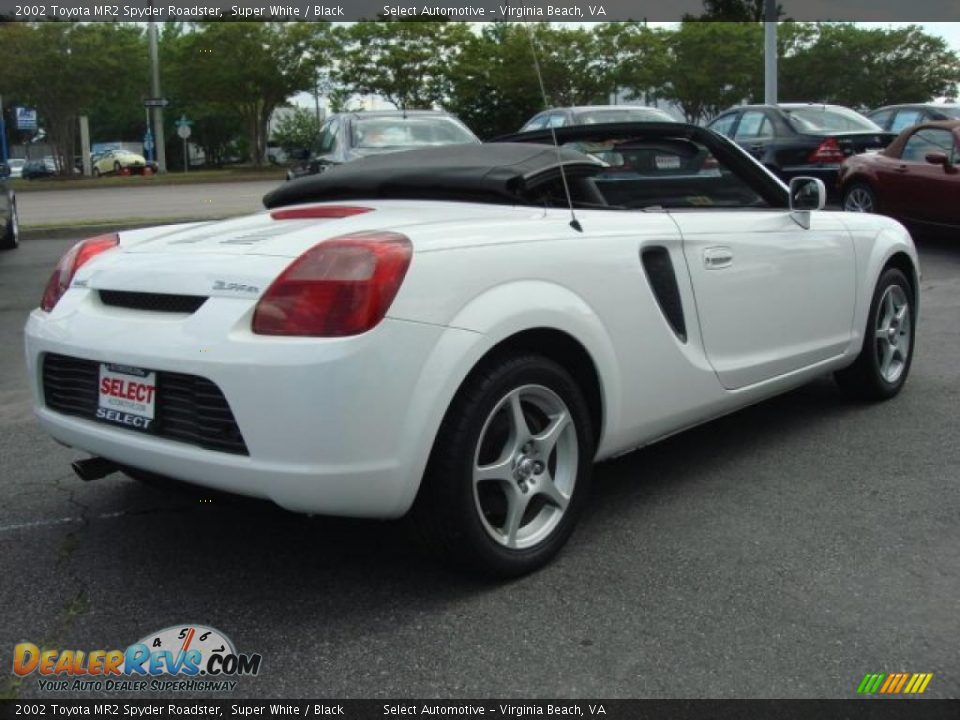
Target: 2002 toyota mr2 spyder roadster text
[[459, 333]]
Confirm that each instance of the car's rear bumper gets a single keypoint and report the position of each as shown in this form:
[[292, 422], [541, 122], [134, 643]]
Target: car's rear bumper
[[326, 422]]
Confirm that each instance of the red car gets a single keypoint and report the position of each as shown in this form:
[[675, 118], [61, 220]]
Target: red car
[[915, 179]]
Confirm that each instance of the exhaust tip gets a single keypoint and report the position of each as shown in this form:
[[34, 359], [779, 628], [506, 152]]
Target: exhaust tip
[[93, 468]]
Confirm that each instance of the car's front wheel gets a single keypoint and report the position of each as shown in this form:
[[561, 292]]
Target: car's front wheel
[[11, 234], [860, 197], [883, 364], [510, 469]]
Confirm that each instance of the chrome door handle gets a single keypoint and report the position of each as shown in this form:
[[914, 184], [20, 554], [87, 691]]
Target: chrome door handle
[[715, 258]]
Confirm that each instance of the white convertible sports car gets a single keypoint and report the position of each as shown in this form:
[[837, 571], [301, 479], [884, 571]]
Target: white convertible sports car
[[459, 333]]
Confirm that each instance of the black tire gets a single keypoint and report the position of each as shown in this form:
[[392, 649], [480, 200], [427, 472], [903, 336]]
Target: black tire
[[96, 172], [117, 167], [865, 379], [457, 518], [10, 239], [860, 197]]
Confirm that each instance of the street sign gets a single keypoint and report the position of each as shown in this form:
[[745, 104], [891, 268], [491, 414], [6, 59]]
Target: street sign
[[148, 144], [155, 102], [183, 127], [26, 118]]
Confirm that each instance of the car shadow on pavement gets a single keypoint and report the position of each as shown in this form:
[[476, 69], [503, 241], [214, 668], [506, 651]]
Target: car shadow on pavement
[[257, 547]]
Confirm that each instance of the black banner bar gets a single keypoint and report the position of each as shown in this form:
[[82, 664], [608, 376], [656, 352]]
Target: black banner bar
[[462, 10], [865, 709]]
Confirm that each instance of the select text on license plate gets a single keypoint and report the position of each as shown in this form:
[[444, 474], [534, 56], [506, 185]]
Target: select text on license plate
[[128, 396]]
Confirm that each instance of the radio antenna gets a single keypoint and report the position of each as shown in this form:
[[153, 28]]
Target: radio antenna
[[574, 223]]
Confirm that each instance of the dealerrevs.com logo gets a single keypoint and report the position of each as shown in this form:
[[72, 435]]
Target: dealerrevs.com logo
[[178, 658]]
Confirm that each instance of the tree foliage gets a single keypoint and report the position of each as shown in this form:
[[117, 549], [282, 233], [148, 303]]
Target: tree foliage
[[712, 65], [495, 88], [229, 77], [298, 129], [406, 62], [245, 69], [892, 65], [68, 69]]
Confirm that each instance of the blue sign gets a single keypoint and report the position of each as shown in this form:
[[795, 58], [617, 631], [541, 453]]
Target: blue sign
[[25, 118], [148, 144]]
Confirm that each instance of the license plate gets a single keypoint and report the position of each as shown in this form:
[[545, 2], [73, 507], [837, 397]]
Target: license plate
[[667, 162], [128, 396]]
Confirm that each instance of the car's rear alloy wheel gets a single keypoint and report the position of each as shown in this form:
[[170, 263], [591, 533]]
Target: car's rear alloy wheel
[[96, 172], [860, 198], [510, 468], [117, 168], [11, 235], [525, 466], [881, 368]]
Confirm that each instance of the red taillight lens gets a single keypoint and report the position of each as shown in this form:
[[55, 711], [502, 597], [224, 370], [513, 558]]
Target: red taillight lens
[[72, 261], [343, 286], [827, 152]]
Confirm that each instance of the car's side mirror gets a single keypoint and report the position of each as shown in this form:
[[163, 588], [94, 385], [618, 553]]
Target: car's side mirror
[[806, 194], [939, 158]]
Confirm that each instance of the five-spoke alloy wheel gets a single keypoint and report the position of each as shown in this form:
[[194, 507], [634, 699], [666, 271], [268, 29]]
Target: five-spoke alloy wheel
[[882, 366], [525, 467], [510, 468]]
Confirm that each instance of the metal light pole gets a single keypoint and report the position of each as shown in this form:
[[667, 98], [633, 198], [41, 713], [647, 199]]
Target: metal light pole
[[770, 52], [158, 132], [3, 134]]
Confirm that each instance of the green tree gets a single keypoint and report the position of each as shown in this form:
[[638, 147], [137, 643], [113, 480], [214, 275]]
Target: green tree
[[635, 57], [298, 129], [68, 69], [714, 65], [893, 65], [246, 69], [405, 62], [735, 10], [495, 87]]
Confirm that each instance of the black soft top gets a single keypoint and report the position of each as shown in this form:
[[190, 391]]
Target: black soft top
[[508, 169], [491, 172]]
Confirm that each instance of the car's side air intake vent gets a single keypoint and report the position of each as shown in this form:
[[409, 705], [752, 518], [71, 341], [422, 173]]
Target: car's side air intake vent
[[663, 282], [152, 302]]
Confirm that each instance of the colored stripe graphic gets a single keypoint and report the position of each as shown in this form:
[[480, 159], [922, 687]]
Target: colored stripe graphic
[[894, 683]]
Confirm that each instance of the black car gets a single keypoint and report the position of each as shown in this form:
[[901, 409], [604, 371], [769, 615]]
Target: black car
[[35, 169], [348, 136], [794, 139], [899, 117], [9, 222]]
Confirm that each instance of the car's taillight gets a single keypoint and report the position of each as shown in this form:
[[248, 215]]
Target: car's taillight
[[827, 152], [343, 286], [72, 261]]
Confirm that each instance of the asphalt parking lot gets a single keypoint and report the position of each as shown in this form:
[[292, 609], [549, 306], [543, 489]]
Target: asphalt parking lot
[[161, 202], [783, 551]]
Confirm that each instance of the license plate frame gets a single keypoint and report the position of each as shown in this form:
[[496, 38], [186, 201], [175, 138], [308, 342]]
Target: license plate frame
[[127, 396]]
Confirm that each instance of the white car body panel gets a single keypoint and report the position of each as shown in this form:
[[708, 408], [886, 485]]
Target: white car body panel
[[345, 425]]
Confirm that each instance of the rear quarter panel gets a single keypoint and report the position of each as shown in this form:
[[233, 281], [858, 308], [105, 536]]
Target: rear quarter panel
[[591, 286]]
